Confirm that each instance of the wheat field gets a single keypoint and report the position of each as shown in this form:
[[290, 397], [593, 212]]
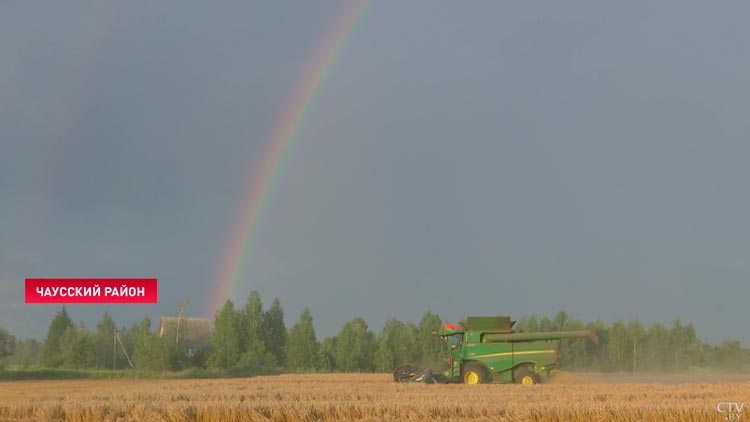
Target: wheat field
[[362, 397]]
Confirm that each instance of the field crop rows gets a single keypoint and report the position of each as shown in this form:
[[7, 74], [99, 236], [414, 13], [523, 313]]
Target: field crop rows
[[359, 397]]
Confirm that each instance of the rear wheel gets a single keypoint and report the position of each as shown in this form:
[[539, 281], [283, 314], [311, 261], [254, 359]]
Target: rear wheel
[[474, 374], [526, 376]]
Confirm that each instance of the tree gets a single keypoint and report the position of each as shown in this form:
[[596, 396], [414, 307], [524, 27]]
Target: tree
[[226, 342], [326, 357], [574, 352], [354, 347], [618, 345], [83, 351], [546, 325], [251, 341], [7, 343], [730, 355], [26, 352], [637, 335], [529, 324], [430, 346], [302, 346], [691, 345], [128, 340], [59, 335], [274, 331], [149, 351], [682, 344], [655, 351], [561, 320], [396, 346], [598, 356], [104, 341]]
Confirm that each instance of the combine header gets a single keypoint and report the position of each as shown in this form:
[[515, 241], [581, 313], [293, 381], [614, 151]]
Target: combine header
[[486, 349]]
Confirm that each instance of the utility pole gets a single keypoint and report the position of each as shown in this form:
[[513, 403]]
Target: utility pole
[[114, 350], [125, 352]]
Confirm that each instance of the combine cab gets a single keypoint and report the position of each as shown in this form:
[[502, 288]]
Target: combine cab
[[486, 349]]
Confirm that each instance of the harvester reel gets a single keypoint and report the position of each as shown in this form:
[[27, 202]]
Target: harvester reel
[[405, 373], [414, 374]]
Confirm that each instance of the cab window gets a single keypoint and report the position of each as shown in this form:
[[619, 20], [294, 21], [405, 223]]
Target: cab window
[[455, 340]]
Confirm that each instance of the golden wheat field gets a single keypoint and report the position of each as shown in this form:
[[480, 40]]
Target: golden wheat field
[[364, 397]]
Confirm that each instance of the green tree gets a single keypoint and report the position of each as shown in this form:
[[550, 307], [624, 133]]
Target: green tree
[[7, 343], [251, 341], [682, 345], [618, 345], [83, 351], [574, 353], [430, 346], [354, 347], [561, 319], [104, 341], [326, 357], [127, 337], [691, 345], [53, 353], [226, 342], [636, 335], [546, 325], [148, 354], [67, 341], [729, 354], [529, 324], [655, 349], [274, 331], [302, 346], [598, 353], [396, 346], [26, 352]]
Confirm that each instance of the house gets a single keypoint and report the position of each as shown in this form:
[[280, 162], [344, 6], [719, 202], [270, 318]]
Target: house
[[195, 332]]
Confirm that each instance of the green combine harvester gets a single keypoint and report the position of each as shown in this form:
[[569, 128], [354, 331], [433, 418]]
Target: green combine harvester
[[487, 350]]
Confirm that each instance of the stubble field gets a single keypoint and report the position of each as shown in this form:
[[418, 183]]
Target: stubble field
[[369, 397]]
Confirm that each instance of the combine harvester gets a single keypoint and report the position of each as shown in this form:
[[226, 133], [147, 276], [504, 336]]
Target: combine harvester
[[487, 350]]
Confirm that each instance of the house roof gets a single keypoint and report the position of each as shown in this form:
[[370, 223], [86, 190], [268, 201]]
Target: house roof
[[195, 331]]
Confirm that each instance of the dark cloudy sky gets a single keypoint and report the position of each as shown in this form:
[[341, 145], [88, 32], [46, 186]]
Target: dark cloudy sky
[[468, 158]]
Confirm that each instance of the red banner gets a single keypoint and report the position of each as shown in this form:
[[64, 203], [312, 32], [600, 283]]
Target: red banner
[[92, 290]]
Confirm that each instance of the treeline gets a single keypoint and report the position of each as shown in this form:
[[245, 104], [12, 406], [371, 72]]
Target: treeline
[[630, 346], [251, 339]]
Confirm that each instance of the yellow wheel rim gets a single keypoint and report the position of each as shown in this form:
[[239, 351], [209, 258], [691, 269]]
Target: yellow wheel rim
[[527, 380], [471, 377]]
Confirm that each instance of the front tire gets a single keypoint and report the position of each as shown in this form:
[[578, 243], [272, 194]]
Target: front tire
[[474, 374], [526, 376]]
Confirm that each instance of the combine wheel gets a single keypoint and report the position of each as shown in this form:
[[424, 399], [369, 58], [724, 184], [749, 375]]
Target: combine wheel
[[474, 374], [526, 376]]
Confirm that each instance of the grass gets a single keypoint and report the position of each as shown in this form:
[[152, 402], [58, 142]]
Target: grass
[[359, 397], [59, 374]]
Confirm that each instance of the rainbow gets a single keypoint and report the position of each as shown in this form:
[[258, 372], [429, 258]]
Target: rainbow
[[264, 178]]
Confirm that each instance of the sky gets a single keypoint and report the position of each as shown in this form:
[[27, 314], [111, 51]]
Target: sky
[[473, 158]]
